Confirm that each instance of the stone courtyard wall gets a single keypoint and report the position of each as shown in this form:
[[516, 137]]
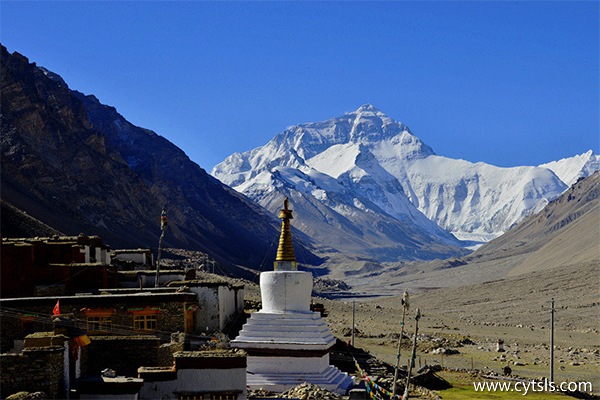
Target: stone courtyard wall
[[37, 369]]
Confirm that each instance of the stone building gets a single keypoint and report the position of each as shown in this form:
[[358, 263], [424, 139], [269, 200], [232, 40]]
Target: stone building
[[130, 322], [127, 368], [33, 266], [221, 302], [145, 312]]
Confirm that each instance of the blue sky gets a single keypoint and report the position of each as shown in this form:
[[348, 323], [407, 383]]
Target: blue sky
[[508, 83]]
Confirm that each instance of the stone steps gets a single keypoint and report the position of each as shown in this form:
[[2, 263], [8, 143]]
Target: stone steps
[[331, 379]]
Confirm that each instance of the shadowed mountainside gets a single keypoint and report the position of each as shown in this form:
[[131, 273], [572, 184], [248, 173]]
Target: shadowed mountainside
[[78, 166]]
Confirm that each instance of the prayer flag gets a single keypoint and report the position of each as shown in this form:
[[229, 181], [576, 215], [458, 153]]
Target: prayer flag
[[56, 310], [163, 219], [83, 340]]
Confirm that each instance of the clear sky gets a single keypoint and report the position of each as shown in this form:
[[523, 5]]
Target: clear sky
[[508, 83]]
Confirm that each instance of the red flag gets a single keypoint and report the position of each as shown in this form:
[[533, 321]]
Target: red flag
[[56, 310]]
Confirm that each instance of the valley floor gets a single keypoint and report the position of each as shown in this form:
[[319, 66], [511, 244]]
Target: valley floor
[[516, 310]]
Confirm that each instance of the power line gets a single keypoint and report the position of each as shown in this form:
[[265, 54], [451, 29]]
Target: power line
[[115, 328]]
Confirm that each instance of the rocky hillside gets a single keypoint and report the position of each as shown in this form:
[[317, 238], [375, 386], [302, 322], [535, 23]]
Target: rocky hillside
[[78, 166], [566, 232]]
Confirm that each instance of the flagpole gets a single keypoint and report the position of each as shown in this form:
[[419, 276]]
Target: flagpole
[[414, 354], [163, 228], [404, 308], [353, 312]]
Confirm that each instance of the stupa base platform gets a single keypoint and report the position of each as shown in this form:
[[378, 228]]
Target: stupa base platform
[[291, 330], [331, 379]]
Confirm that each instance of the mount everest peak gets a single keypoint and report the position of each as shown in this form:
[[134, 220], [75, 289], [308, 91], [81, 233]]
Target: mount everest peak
[[364, 182]]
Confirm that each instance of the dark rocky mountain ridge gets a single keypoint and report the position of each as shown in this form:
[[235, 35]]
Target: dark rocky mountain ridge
[[79, 166]]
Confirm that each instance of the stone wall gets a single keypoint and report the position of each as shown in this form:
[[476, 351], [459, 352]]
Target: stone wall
[[170, 316], [167, 350], [38, 369]]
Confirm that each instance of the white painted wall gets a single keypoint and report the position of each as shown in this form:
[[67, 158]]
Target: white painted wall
[[240, 302], [133, 257], [289, 365], [66, 374], [207, 318], [285, 291], [86, 251], [78, 364], [148, 280], [227, 300], [102, 256], [198, 380], [110, 397]]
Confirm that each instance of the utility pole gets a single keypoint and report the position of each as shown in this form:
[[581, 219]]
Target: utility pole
[[552, 341], [414, 354], [353, 312], [405, 307], [163, 228]]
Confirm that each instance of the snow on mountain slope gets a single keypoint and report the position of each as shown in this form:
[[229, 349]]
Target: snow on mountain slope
[[569, 170], [478, 201], [343, 195], [366, 165]]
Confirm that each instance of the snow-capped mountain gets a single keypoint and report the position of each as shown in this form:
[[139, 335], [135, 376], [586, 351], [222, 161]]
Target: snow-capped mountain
[[341, 195], [569, 170], [366, 178]]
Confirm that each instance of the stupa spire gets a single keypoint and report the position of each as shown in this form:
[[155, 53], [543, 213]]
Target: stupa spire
[[285, 259]]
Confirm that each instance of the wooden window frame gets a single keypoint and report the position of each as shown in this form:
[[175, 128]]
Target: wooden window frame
[[98, 318], [142, 320], [98, 324]]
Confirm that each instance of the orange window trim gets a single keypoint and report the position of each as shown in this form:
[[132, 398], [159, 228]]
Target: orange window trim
[[144, 312], [98, 312]]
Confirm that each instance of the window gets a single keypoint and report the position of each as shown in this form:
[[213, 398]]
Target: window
[[208, 396], [144, 322], [99, 323], [223, 396], [98, 320]]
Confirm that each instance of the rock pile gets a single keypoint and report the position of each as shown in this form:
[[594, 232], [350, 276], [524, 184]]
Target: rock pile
[[330, 285], [308, 391], [260, 393], [27, 396]]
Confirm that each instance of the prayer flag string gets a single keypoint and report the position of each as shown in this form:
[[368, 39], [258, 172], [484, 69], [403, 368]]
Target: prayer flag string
[[374, 390]]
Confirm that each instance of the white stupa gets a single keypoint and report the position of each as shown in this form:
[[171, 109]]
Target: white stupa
[[286, 342]]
